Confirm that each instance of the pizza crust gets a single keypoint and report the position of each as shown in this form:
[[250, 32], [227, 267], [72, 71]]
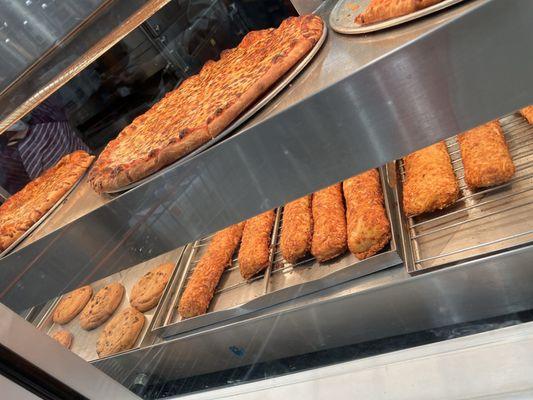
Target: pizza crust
[[113, 170]]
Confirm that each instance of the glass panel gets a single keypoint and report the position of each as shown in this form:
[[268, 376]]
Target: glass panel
[[251, 301]]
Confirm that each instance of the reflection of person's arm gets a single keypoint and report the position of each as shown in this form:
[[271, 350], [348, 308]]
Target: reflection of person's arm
[[17, 131], [4, 194]]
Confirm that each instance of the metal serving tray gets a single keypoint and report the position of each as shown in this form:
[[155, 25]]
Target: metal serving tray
[[84, 343], [481, 222], [43, 218], [279, 283], [253, 109], [342, 17]]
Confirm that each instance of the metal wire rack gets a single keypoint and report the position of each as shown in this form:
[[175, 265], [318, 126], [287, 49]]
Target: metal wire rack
[[483, 221], [232, 289], [279, 282]]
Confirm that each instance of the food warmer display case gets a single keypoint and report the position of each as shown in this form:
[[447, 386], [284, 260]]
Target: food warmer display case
[[360, 99]]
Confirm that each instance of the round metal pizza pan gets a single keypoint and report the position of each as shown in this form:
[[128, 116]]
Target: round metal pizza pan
[[251, 111], [342, 17]]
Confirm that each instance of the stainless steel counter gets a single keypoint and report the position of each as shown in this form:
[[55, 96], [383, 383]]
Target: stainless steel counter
[[364, 101], [381, 305]]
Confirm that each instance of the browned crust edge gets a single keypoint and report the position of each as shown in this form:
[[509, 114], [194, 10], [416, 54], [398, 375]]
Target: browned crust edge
[[102, 180]]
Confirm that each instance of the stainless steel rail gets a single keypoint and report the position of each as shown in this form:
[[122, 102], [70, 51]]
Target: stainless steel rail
[[50, 357], [363, 102]]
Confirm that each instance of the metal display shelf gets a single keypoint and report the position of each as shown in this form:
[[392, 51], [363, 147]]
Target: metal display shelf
[[381, 305], [364, 101]]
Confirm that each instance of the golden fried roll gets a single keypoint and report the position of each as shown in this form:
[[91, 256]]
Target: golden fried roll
[[429, 183], [527, 113], [381, 10], [329, 223], [366, 218], [296, 229], [486, 158], [255, 246], [205, 277]]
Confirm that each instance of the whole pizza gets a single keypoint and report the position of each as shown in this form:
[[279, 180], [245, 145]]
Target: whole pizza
[[204, 104], [30, 203]]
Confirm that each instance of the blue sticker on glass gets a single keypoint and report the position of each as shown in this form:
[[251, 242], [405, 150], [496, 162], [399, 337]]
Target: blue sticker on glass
[[239, 352]]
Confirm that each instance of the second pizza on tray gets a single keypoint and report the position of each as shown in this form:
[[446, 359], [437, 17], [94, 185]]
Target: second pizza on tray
[[204, 104], [22, 210]]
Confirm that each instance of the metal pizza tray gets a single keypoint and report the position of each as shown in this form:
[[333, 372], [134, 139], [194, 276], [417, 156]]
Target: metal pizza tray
[[481, 222], [281, 281], [60, 202], [252, 110], [342, 17], [84, 342]]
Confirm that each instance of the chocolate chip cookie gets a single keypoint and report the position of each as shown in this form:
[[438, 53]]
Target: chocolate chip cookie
[[101, 306], [146, 293], [120, 333], [71, 305]]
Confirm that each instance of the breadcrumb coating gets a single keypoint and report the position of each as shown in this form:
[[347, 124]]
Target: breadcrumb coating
[[329, 229], [205, 277], [255, 246], [485, 155], [296, 229], [430, 183], [368, 225]]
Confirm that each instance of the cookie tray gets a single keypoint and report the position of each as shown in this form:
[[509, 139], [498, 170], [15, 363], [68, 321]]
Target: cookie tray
[[280, 282], [251, 111], [342, 17], [43, 218], [84, 342], [481, 222]]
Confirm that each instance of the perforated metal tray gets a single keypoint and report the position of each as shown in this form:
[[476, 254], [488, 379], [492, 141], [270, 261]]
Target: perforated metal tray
[[84, 343], [342, 17]]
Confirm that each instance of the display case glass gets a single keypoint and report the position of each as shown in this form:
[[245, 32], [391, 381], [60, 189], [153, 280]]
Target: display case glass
[[314, 226]]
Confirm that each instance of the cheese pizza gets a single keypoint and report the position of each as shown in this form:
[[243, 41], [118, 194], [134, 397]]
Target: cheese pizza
[[204, 104], [30, 203]]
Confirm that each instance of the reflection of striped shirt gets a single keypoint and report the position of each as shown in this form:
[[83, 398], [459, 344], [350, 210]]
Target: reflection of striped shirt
[[49, 138], [13, 175], [45, 144]]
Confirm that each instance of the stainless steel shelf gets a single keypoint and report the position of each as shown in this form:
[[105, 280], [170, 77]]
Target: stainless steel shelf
[[363, 102], [381, 305]]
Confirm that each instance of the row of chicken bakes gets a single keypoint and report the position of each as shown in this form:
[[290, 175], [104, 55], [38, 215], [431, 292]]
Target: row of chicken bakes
[[351, 214], [348, 215]]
